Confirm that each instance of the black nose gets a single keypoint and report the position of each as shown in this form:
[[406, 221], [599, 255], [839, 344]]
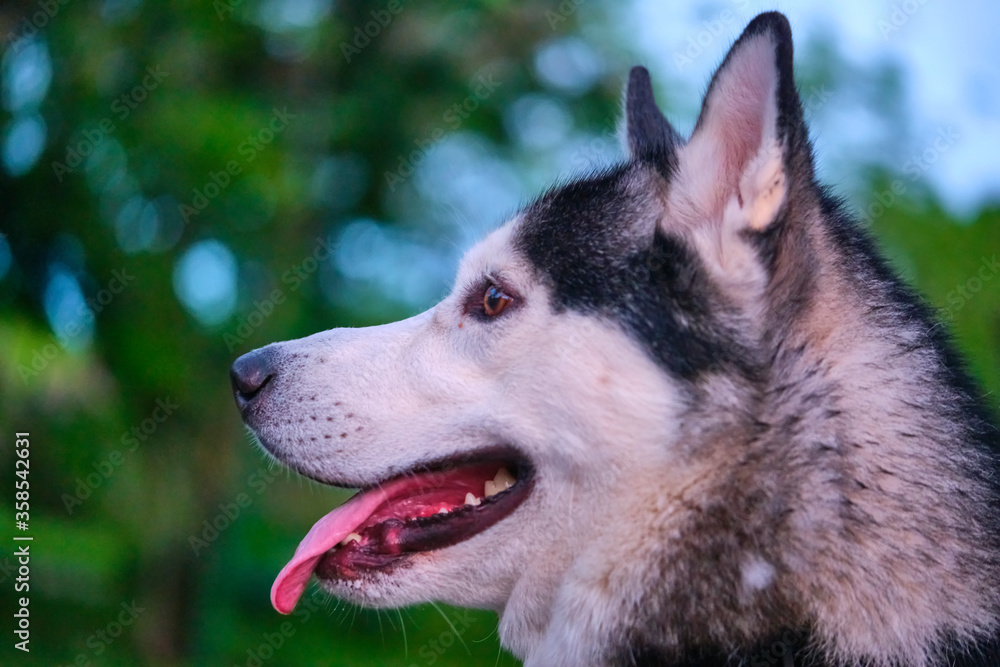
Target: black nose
[[251, 374]]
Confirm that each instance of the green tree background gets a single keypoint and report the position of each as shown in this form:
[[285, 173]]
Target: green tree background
[[196, 236]]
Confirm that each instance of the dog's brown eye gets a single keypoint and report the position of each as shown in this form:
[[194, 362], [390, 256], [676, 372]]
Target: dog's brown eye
[[495, 301]]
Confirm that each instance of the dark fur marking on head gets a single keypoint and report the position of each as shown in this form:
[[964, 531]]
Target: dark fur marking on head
[[582, 239]]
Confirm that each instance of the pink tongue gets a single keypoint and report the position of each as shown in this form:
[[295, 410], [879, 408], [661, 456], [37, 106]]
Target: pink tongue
[[324, 535]]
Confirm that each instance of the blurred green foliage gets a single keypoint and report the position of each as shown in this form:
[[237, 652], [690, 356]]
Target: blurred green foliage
[[122, 501]]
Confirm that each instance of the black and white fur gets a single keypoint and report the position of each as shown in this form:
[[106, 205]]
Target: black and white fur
[[750, 439]]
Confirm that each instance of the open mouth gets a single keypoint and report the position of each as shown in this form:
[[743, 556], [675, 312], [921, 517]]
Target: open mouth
[[434, 507]]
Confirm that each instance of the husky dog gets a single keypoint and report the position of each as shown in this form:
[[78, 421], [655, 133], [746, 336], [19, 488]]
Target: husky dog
[[678, 412]]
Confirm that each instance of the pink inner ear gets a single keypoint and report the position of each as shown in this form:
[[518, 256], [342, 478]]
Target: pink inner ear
[[740, 107]]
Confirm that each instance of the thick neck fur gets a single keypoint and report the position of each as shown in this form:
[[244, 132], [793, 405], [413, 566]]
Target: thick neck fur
[[894, 526], [860, 506]]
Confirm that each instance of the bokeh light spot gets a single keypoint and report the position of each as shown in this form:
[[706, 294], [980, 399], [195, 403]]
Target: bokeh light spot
[[69, 316], [27, 73], [6, 259], [569, 65], [23, 143], [205, 281]]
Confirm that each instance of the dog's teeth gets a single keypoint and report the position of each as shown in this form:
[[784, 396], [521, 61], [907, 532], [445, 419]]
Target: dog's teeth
[[353, 537], [442, 511], [471, 499], [501, 482]]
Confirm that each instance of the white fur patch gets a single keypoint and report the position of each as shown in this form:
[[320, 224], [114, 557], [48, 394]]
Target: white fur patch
[[758, 574]]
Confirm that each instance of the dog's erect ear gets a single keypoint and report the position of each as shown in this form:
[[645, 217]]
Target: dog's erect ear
[[650, 135], [750, 136]]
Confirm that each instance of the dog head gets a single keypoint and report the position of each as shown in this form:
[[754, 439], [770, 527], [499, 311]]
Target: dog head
[[506, 433]]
